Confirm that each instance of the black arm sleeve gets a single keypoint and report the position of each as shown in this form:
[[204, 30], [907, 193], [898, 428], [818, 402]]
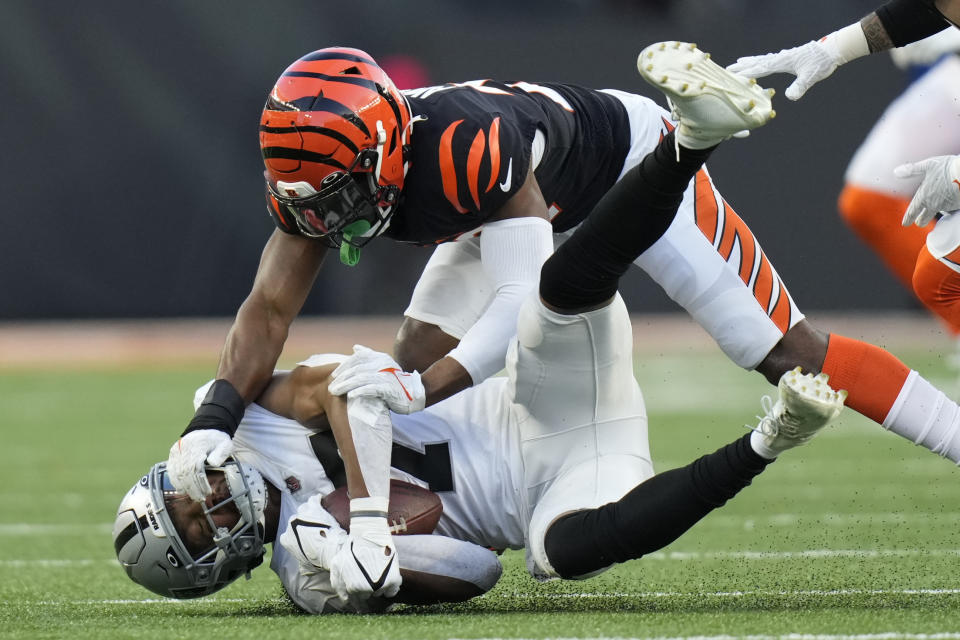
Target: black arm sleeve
[[907, 21]]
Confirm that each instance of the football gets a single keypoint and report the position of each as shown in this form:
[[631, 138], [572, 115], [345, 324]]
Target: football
[[413, 509]]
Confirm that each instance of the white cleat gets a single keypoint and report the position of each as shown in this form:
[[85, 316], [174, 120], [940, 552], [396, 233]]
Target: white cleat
[[806, 405], [711, 103]]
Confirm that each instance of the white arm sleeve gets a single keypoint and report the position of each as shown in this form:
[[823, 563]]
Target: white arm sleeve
[[372, 433], [512, 252]]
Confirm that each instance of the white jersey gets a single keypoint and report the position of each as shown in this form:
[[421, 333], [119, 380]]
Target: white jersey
[[463, 449], [566, 430]]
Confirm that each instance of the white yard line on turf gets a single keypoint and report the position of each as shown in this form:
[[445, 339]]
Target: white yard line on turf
[[203, 601], [893, 635], [661, 595], [747, 522], [659, 555], [28, 529]]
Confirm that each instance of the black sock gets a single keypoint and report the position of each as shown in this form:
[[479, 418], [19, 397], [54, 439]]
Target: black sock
[[632, 215], [653, 514]]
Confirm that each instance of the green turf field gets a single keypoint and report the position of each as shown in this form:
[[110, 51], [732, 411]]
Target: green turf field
[[854, 536]]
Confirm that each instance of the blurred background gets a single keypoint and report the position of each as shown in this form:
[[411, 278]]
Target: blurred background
[[133, 182]]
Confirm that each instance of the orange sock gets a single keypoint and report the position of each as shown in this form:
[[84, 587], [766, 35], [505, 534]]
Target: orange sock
[[876, 219], [938, 286], [873, 377]]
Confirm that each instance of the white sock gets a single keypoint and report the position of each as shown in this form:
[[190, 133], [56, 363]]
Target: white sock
[[760, 447], [927, 417]]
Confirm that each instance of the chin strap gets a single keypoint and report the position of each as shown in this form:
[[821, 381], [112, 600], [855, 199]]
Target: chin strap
[[349, 254]]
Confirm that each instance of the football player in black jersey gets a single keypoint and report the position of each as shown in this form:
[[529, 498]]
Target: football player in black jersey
[[349, 158]]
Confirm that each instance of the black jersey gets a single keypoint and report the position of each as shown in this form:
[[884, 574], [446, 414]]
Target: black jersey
[[473, 151]]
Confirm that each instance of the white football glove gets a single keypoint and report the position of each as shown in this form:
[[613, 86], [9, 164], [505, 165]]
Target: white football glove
[[939, 190], [372, 374], [185, 466], [364, 359], [366, 565], [313, 536], [810, 63]]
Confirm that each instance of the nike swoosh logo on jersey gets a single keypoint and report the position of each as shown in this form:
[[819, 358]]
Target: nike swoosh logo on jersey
[[505, 185]]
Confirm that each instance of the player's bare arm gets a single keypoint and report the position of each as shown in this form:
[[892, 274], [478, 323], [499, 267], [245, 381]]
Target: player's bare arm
[[366, 566], [288, 268], [303, 395], [447, 376], [877, 37]]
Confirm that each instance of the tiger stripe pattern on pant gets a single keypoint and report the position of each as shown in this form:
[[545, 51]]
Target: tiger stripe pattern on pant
[[728, 232]]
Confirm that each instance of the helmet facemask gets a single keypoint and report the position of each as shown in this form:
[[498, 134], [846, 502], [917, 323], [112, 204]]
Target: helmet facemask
[[345, 198]]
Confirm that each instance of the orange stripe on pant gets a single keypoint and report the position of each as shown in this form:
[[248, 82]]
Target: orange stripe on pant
[[735, 232], [875, 217], [705, 211], [872, 376], [938, 287]]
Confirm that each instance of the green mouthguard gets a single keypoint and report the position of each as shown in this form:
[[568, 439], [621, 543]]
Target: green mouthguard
[[349, 254]]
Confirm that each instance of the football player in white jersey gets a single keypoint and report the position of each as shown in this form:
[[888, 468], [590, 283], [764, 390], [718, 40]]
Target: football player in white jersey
[[553, 457]]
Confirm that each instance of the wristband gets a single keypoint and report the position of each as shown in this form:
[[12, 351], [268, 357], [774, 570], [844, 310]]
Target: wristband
[[368, 519], [372, 507], [221, 409], [847, 44]]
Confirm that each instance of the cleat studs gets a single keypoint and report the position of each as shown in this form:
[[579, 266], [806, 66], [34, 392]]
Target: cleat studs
[[649, 67], [751, 105], [773, 114], [689, 66], [706, 56], [663, 46], [771, 93], [684, 87], [663, 80], [650, 54]]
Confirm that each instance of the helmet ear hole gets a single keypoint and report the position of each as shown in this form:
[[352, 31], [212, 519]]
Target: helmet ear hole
[[352, 71]]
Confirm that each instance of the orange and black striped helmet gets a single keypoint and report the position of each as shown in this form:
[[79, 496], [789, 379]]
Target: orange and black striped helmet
[[333, 136]]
